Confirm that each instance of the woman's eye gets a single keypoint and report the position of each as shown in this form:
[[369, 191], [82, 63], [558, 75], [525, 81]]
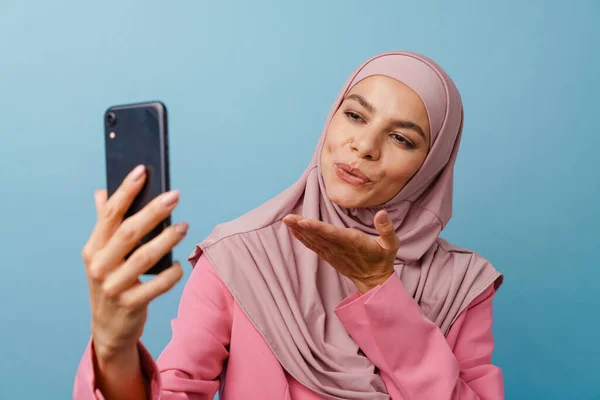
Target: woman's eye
[[354, 116], [400, 139]]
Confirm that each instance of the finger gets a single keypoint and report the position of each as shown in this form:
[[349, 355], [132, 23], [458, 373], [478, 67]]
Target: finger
[[322, 228], [140, 295], [385, 228], [342, 241], [132, 230], [143, 259], [303, 239], [292, 219], [317, 239], [329, 251], [113, 210], [324, 248], [342, 236], [100, 199]]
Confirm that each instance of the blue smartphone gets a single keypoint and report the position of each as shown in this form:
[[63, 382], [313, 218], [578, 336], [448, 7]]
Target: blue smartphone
[[138, 134]]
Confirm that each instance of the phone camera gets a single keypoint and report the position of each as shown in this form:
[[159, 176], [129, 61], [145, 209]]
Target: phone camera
[[111, 119]]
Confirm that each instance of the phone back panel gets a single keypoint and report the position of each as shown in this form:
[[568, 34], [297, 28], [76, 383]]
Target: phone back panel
[[138, 134]]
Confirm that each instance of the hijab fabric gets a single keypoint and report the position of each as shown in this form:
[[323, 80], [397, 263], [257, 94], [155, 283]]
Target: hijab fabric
[[289, 293]]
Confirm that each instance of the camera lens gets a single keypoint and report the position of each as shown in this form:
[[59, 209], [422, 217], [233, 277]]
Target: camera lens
[[111, 119]]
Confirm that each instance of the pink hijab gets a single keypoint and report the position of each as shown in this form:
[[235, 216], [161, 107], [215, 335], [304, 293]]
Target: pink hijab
[[289, 293]]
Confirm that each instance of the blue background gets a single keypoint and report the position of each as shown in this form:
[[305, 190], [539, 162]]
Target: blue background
[[248, 86]]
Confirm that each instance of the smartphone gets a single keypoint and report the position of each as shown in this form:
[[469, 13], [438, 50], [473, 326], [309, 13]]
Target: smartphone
[[138, 134]]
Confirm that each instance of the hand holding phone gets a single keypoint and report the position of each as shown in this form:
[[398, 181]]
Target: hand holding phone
[[132, 235], [118, 299]]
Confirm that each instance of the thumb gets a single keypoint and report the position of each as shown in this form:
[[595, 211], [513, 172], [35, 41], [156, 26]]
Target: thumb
[[100, 198], [385, 228]]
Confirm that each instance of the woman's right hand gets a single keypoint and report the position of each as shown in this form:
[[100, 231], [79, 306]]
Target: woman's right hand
[[118, 299]]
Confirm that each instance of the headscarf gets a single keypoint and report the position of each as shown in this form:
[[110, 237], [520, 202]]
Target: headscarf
[[289, 293]]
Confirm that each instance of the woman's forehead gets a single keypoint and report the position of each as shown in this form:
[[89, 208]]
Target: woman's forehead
[[418, 76]]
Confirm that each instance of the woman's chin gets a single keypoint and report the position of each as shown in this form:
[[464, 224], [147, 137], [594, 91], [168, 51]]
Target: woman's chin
[[346, 198]]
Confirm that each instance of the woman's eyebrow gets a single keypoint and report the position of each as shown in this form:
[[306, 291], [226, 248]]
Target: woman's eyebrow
[[398, 123], [362, 101]]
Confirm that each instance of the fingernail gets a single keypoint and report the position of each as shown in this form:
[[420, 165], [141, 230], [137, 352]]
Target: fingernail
[[170, 198], [182, 228], [383, 218], [137, 173]]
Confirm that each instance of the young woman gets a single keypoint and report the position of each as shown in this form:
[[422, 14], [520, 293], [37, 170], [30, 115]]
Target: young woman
[[338, 288]]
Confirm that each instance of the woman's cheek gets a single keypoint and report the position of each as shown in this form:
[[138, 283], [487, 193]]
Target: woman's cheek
[[342, 138]]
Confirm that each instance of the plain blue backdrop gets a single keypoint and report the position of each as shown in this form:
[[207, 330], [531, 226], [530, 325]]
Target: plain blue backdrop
[[248, 86]]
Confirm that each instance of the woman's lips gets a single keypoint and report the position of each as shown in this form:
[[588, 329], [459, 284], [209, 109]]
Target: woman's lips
[[348, 174]]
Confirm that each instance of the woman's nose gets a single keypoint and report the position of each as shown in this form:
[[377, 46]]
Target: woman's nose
[[366, 144]]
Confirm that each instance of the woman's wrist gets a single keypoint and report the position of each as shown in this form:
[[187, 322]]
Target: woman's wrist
[[366, 285], [111, 355], [119, 372]]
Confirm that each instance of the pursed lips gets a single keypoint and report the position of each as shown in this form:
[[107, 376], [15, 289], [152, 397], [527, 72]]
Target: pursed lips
[[351, 175]]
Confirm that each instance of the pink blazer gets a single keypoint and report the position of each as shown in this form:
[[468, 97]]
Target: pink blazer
[[214, 347]]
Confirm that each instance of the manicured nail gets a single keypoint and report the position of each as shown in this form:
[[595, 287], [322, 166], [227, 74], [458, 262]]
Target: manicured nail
[[182, 228], [170, 198], [137, 173]]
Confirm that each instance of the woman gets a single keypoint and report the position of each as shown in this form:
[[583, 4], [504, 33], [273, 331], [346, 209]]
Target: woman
[[337, 288]]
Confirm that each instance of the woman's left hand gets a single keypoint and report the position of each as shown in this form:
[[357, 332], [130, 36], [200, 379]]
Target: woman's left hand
[[366, 260]]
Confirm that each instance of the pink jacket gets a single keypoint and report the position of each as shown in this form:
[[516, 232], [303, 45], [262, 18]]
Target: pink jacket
[[214, 346]]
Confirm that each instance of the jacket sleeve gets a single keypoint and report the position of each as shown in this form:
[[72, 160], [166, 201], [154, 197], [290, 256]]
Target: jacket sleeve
[[190, 366], [415, 360]]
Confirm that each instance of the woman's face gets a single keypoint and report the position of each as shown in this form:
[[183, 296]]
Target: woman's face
[[376, 141]]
